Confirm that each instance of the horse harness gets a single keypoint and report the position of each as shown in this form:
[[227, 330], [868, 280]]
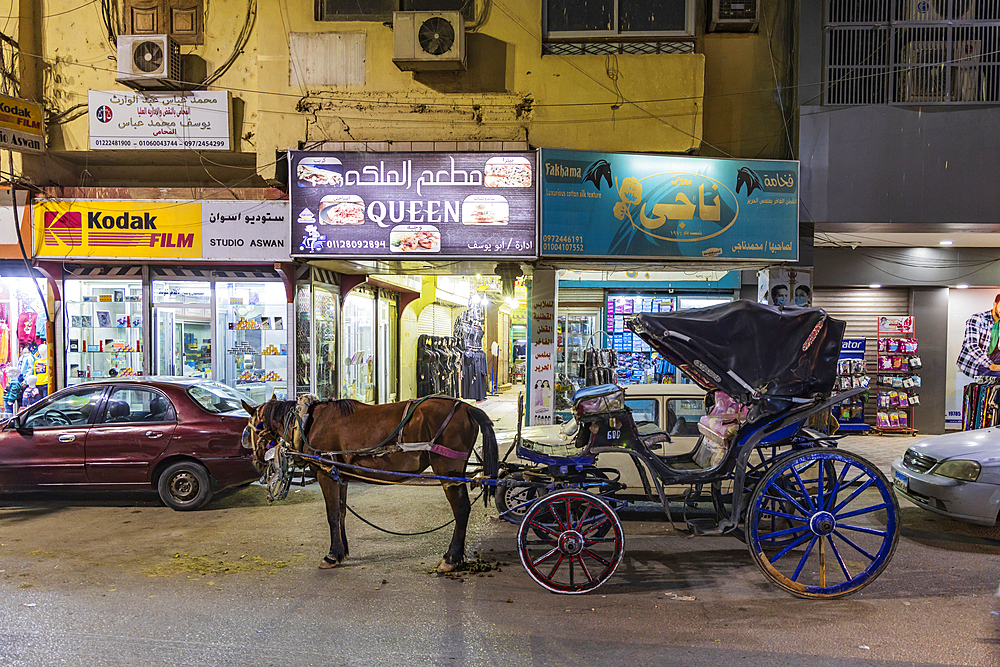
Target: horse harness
[[298, 422]]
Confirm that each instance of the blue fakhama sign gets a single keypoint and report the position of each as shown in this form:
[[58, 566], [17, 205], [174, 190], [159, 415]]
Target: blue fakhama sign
[[613, 205]]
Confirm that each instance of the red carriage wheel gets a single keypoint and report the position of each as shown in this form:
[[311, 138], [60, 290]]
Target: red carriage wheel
[[570, 542]]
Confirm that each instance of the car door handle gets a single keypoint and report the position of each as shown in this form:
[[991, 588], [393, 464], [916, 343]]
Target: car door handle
[[154, 434], [67, 437]]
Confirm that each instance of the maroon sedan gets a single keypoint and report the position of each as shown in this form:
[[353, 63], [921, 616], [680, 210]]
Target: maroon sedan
[[180, 437]]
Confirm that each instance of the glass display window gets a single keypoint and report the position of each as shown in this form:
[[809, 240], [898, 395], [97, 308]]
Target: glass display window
[[250, 320], [103, 323], [325, 307], [182, 328], [22, 330], [358, 376], [387, 348], [304, 381]]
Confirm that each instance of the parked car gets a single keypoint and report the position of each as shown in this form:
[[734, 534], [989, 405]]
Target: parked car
[[179, 437], [956, 474]]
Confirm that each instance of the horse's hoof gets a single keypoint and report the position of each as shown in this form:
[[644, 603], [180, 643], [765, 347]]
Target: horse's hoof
[[444, 567], [328, 563]]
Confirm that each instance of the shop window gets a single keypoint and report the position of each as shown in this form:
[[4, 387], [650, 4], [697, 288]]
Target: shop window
[[103, 329], [183, 20], [254, 356], [182, 328], [325, 340], [303, 341], [359, 347], [22, 329], [618, 18]]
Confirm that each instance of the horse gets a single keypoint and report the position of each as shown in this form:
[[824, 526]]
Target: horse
[[440, 433]]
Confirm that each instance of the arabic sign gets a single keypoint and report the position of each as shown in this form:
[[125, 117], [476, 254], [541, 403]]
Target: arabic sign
[[134, 229], [420, 205], [245, 230], [542, 350], [170, 121], [655, 207]]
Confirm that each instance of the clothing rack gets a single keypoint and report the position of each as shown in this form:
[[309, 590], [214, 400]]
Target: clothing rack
[[981, 404]]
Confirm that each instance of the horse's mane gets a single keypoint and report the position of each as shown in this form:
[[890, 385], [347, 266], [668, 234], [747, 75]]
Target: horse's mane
[[274, 414], [346, 406]]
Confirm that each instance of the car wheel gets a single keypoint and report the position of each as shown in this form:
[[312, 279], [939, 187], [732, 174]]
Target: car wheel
[[185, 486]]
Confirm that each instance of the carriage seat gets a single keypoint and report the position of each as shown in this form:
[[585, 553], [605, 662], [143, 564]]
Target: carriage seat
[[652, 435], [719, 427]]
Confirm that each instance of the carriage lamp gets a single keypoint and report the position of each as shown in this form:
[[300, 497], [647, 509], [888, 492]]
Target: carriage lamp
[[967, 471]]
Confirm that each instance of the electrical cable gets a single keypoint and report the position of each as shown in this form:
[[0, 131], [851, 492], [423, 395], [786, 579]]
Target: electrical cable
[[20, 241]]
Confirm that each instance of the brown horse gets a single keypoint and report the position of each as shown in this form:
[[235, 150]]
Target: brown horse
[[333, 426]]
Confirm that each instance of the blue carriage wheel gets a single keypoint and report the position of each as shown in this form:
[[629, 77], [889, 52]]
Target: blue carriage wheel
[[570, 542], [822, 523]]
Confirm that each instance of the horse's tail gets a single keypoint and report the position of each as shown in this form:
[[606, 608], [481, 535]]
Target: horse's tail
[[491, 454]]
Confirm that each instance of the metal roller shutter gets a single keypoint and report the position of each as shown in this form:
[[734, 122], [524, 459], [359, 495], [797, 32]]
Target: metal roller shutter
[[860, 308], [581, 297], [435, 320]]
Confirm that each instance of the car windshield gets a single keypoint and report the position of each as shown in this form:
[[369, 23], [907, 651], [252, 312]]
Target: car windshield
[[217, 398]]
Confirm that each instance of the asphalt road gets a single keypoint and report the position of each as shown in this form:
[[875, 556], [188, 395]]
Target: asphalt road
[[94, 581]]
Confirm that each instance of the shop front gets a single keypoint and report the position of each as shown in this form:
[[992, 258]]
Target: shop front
[[403, 234], [173, 288], [643, 233], [26, 308]]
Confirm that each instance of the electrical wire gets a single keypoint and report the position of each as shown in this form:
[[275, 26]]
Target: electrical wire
[[241, 42], [20, 241]]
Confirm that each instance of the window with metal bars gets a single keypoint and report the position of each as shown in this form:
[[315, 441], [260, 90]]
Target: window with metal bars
[[912, 52]]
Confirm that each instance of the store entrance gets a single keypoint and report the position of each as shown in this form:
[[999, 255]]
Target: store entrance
[[182, 329]]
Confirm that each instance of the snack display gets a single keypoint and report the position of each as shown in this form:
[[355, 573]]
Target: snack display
[[485, 210], [507, 172], [341, 210], [311, 175], [415, 238]]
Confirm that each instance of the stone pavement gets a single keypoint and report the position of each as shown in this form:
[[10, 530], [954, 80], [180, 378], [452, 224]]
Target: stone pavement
[[881, 450]]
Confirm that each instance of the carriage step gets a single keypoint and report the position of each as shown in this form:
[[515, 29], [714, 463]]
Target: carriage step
[[708, 526]]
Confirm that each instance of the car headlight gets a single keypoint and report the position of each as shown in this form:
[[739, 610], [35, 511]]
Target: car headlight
[[964, 470]]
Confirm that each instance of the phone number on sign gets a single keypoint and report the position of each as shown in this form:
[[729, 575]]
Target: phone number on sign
[[160, 143], [355, 245]]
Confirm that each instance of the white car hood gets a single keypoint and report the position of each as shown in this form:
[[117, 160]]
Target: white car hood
[[982, 445]]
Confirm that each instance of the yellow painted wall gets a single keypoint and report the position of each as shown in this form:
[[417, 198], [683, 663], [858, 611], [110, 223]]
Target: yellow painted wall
[[517, 95]]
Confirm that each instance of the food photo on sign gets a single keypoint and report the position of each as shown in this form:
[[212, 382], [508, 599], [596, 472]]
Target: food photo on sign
[[461, 205]]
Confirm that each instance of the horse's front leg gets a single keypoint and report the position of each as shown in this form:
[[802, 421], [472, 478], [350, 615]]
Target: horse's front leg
[[343, 517], [333, 493], [458, 496]]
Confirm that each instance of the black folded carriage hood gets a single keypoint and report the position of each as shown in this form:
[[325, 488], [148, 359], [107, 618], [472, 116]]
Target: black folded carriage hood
[[749, 350]]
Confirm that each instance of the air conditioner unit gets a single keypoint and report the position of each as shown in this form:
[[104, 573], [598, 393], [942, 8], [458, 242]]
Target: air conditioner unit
[[428, 41], [937, 10], [149, 62], [926, 75], [733, 16], [967, 81]]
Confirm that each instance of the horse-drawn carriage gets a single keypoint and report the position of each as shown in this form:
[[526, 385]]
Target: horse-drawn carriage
[[819, 522]]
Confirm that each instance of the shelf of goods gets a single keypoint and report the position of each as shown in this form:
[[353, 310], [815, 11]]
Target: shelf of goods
[[898, 383], [104, 334], [852, 372], [636, 363], [256, 353]]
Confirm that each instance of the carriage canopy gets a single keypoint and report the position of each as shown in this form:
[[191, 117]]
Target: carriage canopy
[[749, 350]]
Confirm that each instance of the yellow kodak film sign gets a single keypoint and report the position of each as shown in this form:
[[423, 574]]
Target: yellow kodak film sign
[[126, 228], [21, 127]]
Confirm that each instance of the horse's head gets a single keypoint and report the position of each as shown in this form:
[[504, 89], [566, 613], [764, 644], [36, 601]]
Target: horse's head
[[260, 434]]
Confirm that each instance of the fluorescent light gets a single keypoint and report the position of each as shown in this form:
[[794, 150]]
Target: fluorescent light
[[945, 242], [961, 287], [874, 286]]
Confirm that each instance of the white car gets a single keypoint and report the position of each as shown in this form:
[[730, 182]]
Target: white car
[[956, 474]]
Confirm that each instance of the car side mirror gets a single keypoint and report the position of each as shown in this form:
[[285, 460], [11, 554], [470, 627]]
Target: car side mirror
[[21, 428]]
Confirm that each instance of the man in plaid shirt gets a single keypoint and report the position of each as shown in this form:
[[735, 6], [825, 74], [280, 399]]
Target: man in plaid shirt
[[980, 346]]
